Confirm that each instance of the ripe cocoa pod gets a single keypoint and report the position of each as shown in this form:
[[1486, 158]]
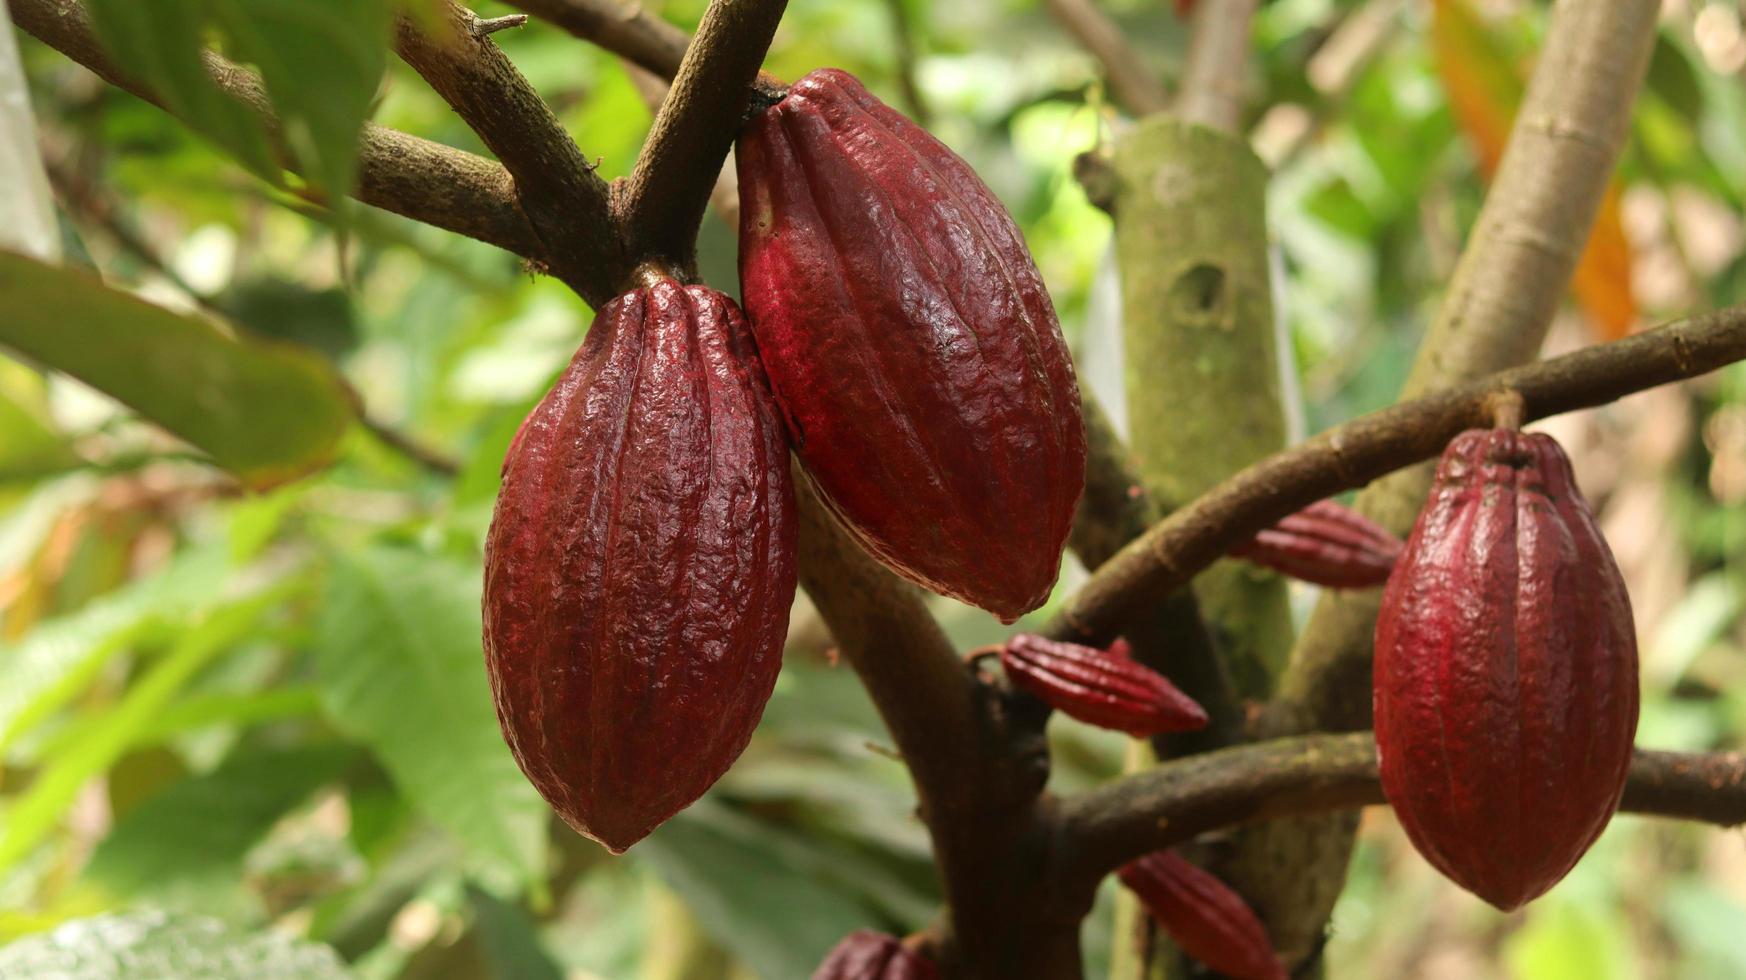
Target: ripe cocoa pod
[[640, 565], [868, 955], [1203, 915], [911, 344], [1506, 671], [1325, 544], [1106, 689]]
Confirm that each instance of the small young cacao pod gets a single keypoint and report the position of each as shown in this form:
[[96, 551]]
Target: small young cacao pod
[[1506, 671], [1203, 915], [911, 344], [1325, 544], [1103, 688], [640, 565], [867, 955]]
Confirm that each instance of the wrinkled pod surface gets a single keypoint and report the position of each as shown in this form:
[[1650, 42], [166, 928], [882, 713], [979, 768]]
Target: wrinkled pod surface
[[640, 564], [911, 344], [1506, 671]]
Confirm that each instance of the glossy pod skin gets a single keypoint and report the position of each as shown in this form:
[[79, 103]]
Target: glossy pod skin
[[911, 344], [1203, 915], [1506, 671], [1326, 544], [1106, 689], [867, 955], [640, 565]]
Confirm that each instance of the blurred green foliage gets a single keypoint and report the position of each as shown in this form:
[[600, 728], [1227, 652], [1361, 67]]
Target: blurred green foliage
[[228, 716]]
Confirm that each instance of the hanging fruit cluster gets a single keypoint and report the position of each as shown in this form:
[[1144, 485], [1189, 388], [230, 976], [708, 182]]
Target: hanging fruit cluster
[[641, 561]]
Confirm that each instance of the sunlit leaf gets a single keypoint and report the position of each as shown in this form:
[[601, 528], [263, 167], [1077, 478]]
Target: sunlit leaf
[[267, 413], [157, 944], [54, 661], [41, 806], [401, 669], [27, 211]]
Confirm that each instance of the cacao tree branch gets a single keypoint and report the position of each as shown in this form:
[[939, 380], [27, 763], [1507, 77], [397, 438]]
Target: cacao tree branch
[[625, 29], [1350, 455], [1171, 637], [977, 776], [1211, 92], [412, 177], [1133, 84], [1162, 807], [668, 191], [567, 203], [1512, 275]]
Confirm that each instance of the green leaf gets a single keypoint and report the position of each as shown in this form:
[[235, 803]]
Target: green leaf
[[160, 44], [399, 662], [322, 61], [266, 413], [54, 661], [758, 890], [156, 944], [191, 838], [509, 939], [284, 309], [37, 811], [29, 449]]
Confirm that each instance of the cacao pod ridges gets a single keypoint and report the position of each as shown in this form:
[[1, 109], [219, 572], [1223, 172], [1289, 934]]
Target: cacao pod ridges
[[867, 955], [641, 564], [911, 344], [1203, 915], [1102, 688], [1326, 544], [1506, 671]]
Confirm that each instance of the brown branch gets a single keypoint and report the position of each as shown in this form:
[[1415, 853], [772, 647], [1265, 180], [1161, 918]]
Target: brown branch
[[1217, 73], [1162, 807], [1171, 637], [409, 176], [1133, 84], [567, 203], [625, 29], [668, 191], [977, 777], [1359, 451]]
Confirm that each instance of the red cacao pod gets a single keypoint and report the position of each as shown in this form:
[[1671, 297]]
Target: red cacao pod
[[911, 344], [640, 564], [1106, 689], [1203, 915], [1506, 671], [868, 955], [1326, 544]]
